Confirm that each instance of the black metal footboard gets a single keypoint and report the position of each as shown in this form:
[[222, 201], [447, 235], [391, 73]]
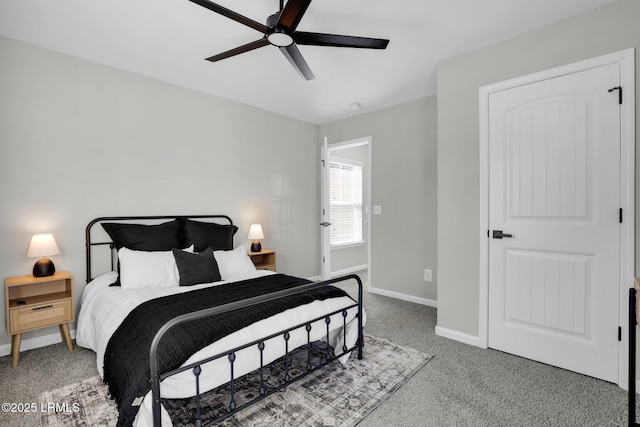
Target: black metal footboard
[[632, 357], [262, 392]]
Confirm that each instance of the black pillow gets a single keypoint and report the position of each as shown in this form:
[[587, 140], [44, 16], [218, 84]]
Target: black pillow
[[196, 268], [160, 237], [207, 235]]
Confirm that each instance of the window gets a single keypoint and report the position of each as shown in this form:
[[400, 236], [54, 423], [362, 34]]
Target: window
[[345, 196]]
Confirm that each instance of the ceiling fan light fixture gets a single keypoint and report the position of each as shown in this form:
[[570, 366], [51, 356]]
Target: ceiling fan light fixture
[[279, 38]]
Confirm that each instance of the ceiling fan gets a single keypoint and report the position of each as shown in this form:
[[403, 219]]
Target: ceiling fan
[[280, 31]]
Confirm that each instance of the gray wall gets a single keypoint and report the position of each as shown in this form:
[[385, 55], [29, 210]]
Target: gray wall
[[404, 184], [80, 140], [608, 29]]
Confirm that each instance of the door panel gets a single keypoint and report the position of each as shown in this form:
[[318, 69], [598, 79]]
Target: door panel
[[554, 185], [548, 290], [549, 170]]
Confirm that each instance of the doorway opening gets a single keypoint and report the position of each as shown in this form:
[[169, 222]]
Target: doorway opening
[[345, 205]]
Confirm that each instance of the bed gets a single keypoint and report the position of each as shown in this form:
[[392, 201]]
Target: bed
[[177, 311], [634, 320]]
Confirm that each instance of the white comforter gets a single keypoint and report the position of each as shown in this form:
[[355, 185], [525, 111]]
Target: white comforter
[[103, 308]]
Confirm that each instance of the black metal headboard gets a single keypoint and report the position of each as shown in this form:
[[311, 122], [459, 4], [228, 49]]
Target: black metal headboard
[[106, 242]]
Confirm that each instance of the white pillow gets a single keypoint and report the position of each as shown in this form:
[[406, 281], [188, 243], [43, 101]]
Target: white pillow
[[140, 269], [233, 262]]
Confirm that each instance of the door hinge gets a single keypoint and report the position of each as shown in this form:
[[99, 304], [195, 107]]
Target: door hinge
[[619, 333], [619, 89], [620, 215]]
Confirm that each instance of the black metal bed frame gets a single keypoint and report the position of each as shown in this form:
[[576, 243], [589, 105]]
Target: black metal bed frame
[[89, 244], [156, 377], [632, 356], [330, 356]]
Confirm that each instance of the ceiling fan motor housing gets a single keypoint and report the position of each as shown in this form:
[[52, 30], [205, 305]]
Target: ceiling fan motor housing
[[272, 20], [275, 35]]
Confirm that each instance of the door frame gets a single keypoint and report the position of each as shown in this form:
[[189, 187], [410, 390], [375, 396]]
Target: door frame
[[626, 59], [325, 246]]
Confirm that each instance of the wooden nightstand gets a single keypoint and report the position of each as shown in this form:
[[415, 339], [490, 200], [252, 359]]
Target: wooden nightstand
[[264, 260], [37, 302]]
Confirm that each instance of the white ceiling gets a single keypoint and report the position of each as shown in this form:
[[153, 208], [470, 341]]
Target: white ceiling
[[169, 39]]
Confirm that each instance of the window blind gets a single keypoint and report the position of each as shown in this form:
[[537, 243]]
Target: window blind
[[345, 193]]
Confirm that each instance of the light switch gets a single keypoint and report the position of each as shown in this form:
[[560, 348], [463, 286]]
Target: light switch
[[377, 209]]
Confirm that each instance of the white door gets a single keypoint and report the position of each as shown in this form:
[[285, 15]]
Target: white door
[[325, 214], [554, 193]]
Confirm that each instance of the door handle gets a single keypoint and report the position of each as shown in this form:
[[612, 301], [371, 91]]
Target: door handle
[[498, 234]]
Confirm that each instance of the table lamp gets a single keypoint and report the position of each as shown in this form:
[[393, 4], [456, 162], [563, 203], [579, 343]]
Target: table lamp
[[41, 246], [255, 234]]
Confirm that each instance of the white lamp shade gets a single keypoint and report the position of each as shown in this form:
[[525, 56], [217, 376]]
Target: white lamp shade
[[255, 232], [42, 245]]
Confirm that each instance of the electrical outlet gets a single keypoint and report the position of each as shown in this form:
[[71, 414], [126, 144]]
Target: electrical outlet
[[427, 274]]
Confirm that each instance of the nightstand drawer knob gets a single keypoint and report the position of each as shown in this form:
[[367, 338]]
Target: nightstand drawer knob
[[42, 308]]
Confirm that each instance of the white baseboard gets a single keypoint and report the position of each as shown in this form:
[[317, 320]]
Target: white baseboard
[[37, 342], [378, 291], [457, 336], [404, 297], [340, 273], [351, 270]]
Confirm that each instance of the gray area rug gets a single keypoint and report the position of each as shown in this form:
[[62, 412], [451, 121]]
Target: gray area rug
[[336, 395]]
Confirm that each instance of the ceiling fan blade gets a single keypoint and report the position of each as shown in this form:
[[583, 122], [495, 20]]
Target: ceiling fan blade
[[242, 49], [335, 40], [231, 14], [292, 13], [294, 56]]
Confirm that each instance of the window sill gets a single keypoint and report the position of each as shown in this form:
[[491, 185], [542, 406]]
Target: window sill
[[348, 244]]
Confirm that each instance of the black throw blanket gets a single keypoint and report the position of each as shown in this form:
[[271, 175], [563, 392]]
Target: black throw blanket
[[126, 360]]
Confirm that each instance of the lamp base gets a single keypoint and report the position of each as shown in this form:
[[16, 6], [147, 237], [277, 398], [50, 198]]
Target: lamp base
[[256, 246], [43, 267]]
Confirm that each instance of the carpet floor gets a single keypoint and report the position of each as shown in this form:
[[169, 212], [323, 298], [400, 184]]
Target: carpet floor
[[336, 395], [461, 386]]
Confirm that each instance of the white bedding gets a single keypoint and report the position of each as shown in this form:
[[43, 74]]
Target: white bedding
[[103, 308]]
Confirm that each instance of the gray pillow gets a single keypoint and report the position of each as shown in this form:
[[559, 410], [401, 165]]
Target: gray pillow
[[196, 268]]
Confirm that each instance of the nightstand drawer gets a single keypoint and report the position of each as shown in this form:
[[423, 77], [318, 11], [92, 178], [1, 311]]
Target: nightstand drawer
[[33, 317]]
